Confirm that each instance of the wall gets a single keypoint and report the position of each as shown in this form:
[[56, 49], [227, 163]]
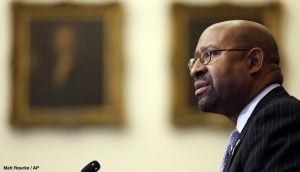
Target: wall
[[149, 142]]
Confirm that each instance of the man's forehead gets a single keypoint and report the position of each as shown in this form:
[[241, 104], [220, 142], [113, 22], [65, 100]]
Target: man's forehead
[[215, 36], [221, 29]]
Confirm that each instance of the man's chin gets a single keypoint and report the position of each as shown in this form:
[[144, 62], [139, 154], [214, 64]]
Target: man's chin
[[206, 105]]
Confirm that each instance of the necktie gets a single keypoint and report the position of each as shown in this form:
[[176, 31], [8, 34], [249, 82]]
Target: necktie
[[232, 139]]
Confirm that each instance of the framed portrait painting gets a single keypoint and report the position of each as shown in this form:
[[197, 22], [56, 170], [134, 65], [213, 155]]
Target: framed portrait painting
[[67, 64], [188, 22]]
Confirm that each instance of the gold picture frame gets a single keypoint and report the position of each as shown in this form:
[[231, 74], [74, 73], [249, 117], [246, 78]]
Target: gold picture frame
[[67, 64], [188, 22]]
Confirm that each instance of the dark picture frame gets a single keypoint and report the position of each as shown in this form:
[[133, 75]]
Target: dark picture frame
[[188, 22], [67, 64]]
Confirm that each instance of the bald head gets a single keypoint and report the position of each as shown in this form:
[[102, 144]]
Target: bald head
[[248, 34]]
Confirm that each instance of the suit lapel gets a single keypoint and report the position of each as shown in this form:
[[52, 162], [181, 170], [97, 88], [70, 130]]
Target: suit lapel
[[277, 92]]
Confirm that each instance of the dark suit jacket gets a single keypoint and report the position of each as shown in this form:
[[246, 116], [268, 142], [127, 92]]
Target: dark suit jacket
[[270, 141]]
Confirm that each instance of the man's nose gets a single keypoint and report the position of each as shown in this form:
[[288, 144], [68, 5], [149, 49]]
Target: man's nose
[[198, 68]]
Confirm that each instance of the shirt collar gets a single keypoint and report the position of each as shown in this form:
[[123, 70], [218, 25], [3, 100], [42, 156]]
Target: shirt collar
[[247, 111]]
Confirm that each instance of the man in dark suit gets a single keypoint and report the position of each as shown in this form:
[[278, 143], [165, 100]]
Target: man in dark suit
[[237, 74]]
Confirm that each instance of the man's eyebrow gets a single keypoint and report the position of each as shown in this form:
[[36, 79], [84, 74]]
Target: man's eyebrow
[[209, 47]]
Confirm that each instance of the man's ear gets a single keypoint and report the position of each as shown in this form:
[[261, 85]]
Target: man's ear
[[255, 59]]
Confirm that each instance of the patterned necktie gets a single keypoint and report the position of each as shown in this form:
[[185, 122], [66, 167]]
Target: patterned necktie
[[232, 139]]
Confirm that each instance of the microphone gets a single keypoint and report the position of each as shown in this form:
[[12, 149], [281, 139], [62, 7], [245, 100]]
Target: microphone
[[91, 167]]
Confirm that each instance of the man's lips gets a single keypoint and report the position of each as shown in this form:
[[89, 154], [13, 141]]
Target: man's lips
[[200, 87]]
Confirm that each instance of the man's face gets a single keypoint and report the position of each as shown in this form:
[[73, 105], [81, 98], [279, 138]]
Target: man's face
[[221, 84]]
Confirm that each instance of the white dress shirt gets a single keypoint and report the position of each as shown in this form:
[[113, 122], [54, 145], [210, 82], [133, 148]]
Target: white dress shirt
[[247, 111]]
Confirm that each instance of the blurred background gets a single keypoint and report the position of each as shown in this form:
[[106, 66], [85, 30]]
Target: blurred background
[[149, 141]]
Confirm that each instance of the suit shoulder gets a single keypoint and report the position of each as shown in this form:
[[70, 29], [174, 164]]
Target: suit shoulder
[[284, 102], [283, 110]]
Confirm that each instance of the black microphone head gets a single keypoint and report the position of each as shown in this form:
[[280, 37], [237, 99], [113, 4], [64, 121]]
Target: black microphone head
[[91, 167]]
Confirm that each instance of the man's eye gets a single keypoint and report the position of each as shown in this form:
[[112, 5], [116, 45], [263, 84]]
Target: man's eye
[[214, 53], [206, 54]]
